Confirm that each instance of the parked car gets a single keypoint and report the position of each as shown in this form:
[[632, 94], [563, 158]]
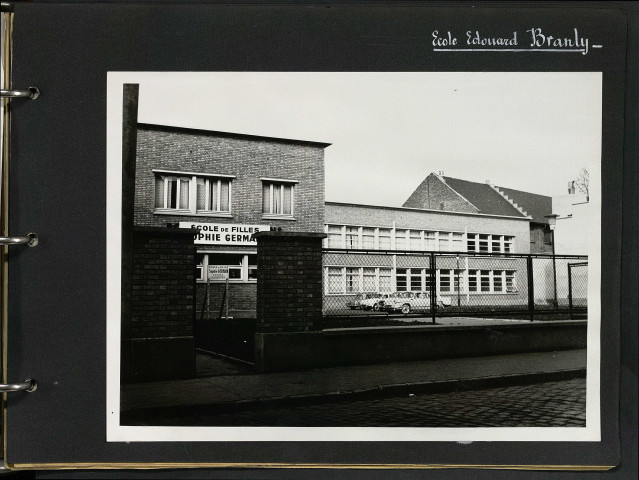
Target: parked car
[[407, 302], [367, 301], [375, 301]]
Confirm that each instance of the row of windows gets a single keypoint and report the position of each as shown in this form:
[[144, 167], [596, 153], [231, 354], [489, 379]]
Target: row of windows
[[341, 236], [346, 280], [210, 195], [242, 267]]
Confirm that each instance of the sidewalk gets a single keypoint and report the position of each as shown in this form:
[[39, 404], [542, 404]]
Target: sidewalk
[[404, 376]]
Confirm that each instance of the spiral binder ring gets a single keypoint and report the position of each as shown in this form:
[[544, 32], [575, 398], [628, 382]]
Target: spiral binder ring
[[31, 240], [31, 92], [29, 385]]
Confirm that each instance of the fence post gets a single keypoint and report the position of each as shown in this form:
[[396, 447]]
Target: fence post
[[433, 288], [531, 287], [570, 290]]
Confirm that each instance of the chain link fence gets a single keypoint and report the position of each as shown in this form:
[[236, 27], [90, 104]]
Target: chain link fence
[[391, 283]]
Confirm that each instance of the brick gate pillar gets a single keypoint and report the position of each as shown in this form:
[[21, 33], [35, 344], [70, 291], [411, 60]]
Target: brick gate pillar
[[289, 281]]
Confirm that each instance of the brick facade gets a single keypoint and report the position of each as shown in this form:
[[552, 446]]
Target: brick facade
[[246, 157], [289, 286], [160, 334], [434, 194]]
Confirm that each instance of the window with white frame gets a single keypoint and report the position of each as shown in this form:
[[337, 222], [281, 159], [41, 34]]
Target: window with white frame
[[368, 238], [352, 237], [351, 280], [415, 240], [336, 282], [485, 243], [429, 241], [242, 267], [492, 281], [400, 239], [451, 280], [277, 197], [458, 242], [384, 236], [335, 236], [212, 195], [444, 241], [193, 194], [413, 279]]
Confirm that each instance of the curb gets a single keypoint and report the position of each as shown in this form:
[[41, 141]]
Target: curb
[[384, 391]]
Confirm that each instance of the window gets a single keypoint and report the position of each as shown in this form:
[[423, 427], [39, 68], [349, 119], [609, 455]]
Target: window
[[402, 274], [415, 240], [212, 195], [444, 281], [352, 237], [241, 267], [511, 284], [472, 280], [429, 241], [192, 194], [451, 280], [335, 237], [384, 239], [484, 243], [370, 280], [489, 243], [335, 280], [498, 281], [416, 280], [444, 241], [485, 280], [400, 239], [172, 192], [491, 281], [352, 280], [385, 280], [413, 279], [458, 242], [277, 198], [508, 244], [368, 238]]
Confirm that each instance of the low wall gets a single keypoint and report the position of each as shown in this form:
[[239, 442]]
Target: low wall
[[357, 346]]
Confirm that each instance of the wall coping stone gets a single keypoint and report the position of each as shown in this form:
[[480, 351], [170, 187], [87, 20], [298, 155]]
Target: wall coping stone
[[448, 328], [167, 231]]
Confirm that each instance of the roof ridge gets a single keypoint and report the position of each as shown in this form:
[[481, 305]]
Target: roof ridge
[[509, 200], [442, 179]]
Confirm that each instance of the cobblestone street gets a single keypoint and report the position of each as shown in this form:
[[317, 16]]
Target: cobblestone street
[[551, 404]]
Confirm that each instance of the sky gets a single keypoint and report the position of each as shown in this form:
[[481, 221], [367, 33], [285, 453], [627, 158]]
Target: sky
[[388, 131]]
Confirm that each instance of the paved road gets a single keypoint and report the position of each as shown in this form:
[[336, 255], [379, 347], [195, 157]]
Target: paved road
[[551, 404]]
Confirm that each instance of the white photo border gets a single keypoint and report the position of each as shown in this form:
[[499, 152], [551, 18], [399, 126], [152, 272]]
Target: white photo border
[[120, 433]]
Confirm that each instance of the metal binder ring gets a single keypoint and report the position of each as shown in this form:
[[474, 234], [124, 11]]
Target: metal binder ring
[[29, 385], [31, 92], [31, 240]]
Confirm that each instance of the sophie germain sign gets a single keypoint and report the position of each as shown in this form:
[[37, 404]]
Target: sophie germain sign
[[225, 233]]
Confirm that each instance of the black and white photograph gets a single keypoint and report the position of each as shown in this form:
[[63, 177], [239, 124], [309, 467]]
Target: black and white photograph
[[387, 256]]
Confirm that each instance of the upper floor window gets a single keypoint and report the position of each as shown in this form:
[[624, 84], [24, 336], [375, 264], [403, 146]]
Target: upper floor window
[[490, 243], [192, 194], [172, 192], [213, 195], [277, 197]]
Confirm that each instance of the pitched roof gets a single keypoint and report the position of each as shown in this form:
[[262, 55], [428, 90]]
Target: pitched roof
[[484, 197], [492, 200], [535, 205]]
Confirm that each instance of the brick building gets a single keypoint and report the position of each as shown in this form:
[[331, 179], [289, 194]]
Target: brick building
[[228, 186]]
